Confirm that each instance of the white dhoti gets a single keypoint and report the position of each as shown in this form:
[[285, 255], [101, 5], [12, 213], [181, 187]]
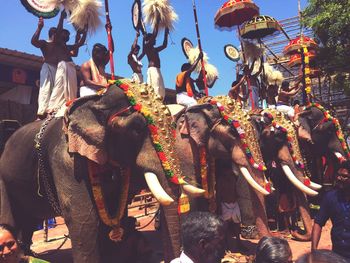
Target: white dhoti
[[47, 81], [286, 110], [230, 211], [137, 78], [87, 91], [65, 88], [183, 99], [155, 79]]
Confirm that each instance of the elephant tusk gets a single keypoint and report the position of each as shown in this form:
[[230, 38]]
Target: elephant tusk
[[315, 186], [296, 182], [192, 190], [252, 182], [157, 190]]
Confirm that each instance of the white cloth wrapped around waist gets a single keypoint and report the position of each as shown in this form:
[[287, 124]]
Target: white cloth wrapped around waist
[[47, 81], [155, 80]]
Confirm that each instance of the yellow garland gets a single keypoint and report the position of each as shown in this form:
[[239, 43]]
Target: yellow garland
[[307, 71]]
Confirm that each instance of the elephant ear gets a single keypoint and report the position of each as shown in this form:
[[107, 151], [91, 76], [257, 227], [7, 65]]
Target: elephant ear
[[85, 130], [196, 121]]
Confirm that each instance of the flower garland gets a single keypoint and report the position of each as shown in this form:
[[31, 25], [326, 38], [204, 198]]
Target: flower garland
[[95, 172], [335, 121], [236, 125], [289, 139], [162, 141], [307, 70]]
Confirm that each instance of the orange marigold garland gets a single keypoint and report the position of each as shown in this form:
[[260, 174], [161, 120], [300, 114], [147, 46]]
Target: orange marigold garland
[[335, 121]]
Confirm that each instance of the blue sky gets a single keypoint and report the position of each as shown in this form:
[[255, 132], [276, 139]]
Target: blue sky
[[17, 27]]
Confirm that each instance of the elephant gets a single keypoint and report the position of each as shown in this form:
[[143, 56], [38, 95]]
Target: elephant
[[112, 131], [326, 139], [279, 144], [204, 127]]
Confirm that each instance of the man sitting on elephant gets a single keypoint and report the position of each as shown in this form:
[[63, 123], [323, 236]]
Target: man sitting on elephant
[[284, 96], [185, 90]]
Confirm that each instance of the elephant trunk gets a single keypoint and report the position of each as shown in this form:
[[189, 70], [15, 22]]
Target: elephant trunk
[[170, 222], [305, 216]]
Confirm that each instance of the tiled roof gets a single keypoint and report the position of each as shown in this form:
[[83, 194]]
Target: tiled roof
[[18, 58]]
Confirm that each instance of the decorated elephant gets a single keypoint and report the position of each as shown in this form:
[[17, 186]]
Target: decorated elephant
[[326, 139], [280, 146], [77, 165], [215, 130]]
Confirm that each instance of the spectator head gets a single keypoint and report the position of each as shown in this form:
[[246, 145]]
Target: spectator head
[[9, 250], [321, 256], [343, 176], [185, 67], [203, 237], [285, 85], [52, 32], [273, 250], [100, 54]]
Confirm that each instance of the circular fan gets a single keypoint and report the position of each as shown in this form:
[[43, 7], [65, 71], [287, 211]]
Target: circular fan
[[136, 14], [186, 46], [231, 52], [41, 8]]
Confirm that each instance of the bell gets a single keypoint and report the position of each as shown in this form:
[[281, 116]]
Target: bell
[[144, 92], [156, 111], [161, 121]]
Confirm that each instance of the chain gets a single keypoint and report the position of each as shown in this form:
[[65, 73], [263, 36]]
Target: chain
[[42, 169]]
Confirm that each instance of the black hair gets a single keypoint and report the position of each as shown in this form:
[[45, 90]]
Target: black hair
[[199, 226], [272, 250], [285, 84], [322, 255], [296, 102], [99, 47], [9, 229], [52, 31], [185, 67], [66, 31]]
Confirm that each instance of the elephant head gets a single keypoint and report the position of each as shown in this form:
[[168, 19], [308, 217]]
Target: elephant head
[[325, 132], [279, 143], [205, 126], [130, 126]]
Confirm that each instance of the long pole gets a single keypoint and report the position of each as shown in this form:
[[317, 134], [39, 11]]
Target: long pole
[[200, 48], [110, 40]]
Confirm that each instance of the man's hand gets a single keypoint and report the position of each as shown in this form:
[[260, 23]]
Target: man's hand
[[200, 56], [108, 26], [41, 23], [167, 31]]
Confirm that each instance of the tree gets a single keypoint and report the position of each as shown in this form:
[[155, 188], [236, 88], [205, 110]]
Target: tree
[[330, 21]]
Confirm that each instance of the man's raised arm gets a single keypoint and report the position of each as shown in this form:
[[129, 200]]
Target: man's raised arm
[[165, 42], [35, 39]]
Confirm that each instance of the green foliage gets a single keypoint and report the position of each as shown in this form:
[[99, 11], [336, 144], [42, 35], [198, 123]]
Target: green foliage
[[330, 21]]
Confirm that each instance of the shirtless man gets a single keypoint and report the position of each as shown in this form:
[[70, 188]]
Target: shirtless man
[[284, 96], [154, 76], [65, 88], [48, 69], [93, 71], [238, 90], [254, 83], [135, 62]]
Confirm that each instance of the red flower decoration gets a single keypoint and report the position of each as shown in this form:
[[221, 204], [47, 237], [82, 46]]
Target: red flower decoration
[[307, 182], [162, 156], [138, 107], [153, 129]]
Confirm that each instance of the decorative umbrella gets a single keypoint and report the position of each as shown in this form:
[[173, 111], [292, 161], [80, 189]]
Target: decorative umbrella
[[260, 27], [41, 8], [297, 43], [235, 13], [296, 59]]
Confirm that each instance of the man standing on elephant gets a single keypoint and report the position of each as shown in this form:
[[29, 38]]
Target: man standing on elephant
[[336, 206], [135, 62], [154, 75], [48, 69], [66, 87]]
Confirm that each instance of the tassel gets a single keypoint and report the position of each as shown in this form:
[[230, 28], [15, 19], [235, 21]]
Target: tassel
[[184, 204]]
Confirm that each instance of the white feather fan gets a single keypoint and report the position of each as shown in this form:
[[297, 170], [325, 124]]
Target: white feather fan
[[161, 10]]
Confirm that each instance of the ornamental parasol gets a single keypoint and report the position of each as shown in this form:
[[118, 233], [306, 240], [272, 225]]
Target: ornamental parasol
[[234, 13], [260, 27], [41, 8], [297, 43], [296, 59]]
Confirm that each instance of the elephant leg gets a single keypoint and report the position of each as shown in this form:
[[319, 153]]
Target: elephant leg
[[258, 201], [305, 216]]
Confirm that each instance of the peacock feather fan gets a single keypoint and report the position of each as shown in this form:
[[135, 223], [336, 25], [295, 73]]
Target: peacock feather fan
[[159, 12]]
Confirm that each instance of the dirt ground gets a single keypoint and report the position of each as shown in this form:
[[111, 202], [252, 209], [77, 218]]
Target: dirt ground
[[56, 237]]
